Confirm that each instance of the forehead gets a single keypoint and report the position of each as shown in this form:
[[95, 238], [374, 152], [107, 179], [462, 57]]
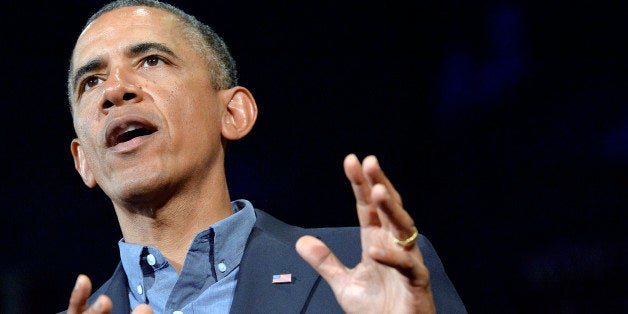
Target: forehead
[[117, 29]]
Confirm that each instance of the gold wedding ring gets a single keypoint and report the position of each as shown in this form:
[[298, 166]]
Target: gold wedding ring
[[409, 240]]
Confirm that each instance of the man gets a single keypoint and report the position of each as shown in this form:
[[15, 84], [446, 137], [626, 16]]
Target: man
[[154, 101]]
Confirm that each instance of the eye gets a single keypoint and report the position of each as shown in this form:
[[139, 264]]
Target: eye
[[152, 61], [90, 82]]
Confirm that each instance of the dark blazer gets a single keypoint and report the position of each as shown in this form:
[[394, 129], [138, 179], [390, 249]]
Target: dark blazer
[[270, 250]]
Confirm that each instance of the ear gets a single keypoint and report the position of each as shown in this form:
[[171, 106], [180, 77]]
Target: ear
[[80, 163], [240, 114]]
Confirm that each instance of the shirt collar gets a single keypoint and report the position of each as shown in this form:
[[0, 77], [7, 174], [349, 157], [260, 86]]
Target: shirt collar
[[230, 237]]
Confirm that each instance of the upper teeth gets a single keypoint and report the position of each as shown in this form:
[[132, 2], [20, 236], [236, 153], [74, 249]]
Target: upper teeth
[[131, 128]]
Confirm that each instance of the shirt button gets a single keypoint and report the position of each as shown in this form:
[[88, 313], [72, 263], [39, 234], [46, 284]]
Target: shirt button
[[150, 258], [177, 312], [139, 289], [222, 267]]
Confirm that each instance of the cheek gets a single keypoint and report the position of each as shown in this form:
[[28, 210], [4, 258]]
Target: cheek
[[195, 108], [80, 128], [85, 131], [190, 107]]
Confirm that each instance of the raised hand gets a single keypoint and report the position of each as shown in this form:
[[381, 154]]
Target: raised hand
[[391, 277]]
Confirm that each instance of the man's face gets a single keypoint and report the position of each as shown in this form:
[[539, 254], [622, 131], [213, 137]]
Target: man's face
[[146, 117]]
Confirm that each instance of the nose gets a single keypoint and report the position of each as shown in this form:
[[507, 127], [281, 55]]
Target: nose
[[122, 88]]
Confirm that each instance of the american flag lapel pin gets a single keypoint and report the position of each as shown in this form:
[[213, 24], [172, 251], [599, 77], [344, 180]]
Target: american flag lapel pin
[[282, 278]]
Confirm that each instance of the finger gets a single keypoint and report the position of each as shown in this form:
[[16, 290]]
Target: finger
[[80, 293], [411, 266], [374, 173], [318, 255], [393, 216], [367, 214], [388, 200], [142, 309], [102, 305]]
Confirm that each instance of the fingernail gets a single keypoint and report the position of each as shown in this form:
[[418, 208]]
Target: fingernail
[[98, 304], [78, 283]]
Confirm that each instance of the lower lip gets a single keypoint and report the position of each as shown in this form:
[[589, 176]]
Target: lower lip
[[130, 146]]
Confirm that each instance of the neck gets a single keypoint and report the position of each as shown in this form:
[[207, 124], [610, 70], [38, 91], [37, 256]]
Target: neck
[[172, 226]]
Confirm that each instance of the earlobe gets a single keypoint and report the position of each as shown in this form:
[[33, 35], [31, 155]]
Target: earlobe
[[240, 114], [80, 163]]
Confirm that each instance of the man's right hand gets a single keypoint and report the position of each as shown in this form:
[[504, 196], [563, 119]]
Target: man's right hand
[[80, 294]]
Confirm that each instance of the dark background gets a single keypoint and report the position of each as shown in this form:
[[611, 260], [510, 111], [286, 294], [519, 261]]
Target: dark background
[[504, 125]]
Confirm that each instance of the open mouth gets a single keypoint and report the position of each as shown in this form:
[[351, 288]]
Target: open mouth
[[131, 134], [124, 131]]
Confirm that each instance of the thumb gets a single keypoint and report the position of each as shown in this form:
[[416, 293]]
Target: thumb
[[142, 309], [318, 255]]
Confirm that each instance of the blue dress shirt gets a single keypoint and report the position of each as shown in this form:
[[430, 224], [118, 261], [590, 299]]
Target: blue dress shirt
[[208, 278]]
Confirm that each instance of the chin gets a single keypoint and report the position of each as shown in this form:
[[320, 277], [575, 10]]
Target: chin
[[142, 191]]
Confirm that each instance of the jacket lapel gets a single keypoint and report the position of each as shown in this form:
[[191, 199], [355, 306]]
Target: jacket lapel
[[270, 251], [116, 288]]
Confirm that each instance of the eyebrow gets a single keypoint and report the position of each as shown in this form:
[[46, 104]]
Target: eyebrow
[[132, 51], [142, 48], [90, 66]]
